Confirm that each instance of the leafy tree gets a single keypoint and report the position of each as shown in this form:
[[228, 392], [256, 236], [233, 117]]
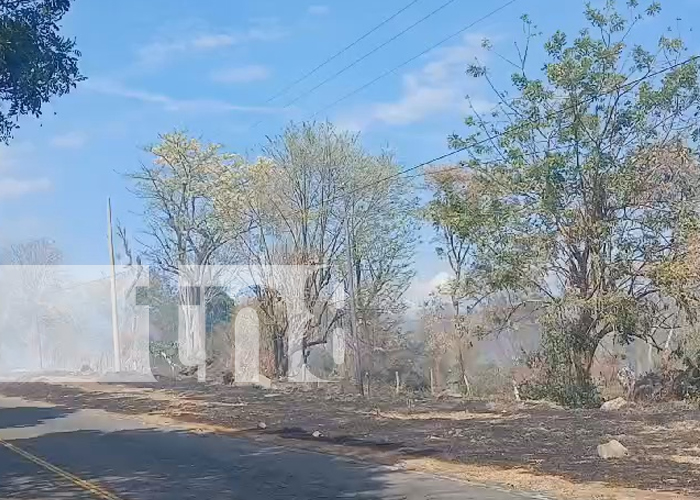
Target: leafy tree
[[295, 210], [184, 232], [219, 309], [383, 227], [476, 308], [466, 293], [584, 188], [311, 179], [36, 62], [182, 225]]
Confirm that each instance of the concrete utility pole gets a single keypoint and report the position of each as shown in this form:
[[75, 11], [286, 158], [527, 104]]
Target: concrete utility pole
[[353, 307], [115, 319]]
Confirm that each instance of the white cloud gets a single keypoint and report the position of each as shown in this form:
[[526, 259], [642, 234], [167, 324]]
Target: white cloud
[[319, 10], [7, 159], [11, 156], [23, 227], [69, 140], [242, 74], [176, 44], [439, 87], [214, 41], [11, 187], [420, 289], [110, 87]]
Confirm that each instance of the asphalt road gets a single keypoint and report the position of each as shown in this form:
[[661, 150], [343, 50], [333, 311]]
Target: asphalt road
[[53, 453]]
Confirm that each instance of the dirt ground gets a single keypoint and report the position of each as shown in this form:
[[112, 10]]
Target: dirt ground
[[529, 445]]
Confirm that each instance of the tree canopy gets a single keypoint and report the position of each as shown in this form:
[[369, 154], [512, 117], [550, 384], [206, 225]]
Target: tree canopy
[[583, 190], [36, 62]]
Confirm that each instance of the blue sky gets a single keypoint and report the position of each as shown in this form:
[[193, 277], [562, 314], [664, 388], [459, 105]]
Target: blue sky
[[209, 67]]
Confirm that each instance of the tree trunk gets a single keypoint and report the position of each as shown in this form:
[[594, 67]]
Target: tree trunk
[[583, 347], [463, 370], [582, 361], [438, 375], [358, 371], [281, 362]]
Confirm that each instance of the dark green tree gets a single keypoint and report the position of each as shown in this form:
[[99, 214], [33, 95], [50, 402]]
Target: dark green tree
[[36, 62], [218, 309], [583, 190]]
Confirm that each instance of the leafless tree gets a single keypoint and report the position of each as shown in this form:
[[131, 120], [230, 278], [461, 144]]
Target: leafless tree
[[35, 274]]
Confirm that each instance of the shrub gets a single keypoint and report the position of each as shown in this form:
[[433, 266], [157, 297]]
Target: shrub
[[687, 384], [490, 380], [567, 393]]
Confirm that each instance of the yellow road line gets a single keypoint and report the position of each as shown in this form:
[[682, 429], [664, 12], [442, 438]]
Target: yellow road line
[[96, 490]]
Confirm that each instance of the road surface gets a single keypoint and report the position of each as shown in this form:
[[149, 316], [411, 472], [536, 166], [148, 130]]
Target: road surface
[[54, 453]]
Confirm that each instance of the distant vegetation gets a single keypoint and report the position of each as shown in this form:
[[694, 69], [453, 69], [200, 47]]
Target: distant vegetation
[[574, 221]]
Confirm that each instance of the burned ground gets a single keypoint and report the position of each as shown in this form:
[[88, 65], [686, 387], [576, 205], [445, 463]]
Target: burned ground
[[664, 440]]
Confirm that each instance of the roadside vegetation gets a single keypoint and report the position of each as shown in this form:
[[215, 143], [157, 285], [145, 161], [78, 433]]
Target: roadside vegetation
[[571, 229]]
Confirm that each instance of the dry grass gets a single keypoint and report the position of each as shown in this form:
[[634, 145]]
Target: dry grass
[[525, 479], [447, 415]]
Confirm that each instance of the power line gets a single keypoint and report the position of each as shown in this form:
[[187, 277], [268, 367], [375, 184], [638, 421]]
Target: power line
[[535, 153], [408, 61], [373, 51], [341, 52], [363, 57], [547, 117], [495, 136]]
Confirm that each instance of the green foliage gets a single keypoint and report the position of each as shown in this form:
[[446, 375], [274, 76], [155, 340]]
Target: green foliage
[[584, 190], [687, 384], [185, 223], [218, 310], [562, 369], [162, 300], [311, 182], [36, 63], [160, 347], [563, 391]]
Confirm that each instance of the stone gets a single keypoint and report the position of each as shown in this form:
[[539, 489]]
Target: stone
[[316, 434], [612, 449], [264, 382], [614, 404], [262, 425]]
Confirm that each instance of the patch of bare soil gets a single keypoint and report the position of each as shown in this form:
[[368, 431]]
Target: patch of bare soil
[[525, 446]]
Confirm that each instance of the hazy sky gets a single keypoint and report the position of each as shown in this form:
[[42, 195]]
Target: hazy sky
[[210, 66]]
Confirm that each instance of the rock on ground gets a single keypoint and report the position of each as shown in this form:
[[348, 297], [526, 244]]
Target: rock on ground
[[264, 382], [614, 404], [612, 449]]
